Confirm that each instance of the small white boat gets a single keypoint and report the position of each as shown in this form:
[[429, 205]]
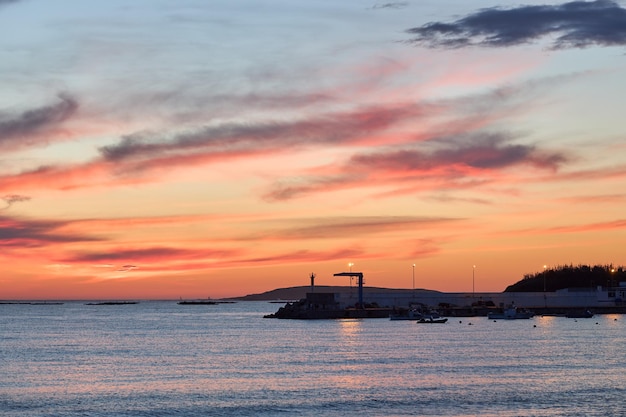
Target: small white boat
[[511, 313], [432, 317], [432, 320]]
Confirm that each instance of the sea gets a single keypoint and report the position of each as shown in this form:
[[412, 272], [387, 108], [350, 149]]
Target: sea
[[159, 358]]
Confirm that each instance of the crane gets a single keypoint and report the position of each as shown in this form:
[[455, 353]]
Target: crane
[[359, 275]]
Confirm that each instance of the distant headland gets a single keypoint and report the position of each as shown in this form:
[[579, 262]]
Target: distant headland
[[569, 276]]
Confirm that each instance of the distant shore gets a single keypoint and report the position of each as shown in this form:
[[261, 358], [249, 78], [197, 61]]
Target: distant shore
[[298, 293]]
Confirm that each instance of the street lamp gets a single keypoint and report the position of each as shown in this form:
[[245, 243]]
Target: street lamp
[[473, 273], [611, 279], [413, 276], [544, 278]]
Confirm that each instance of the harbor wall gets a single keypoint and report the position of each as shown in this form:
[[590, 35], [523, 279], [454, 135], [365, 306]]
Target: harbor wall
[[566, 298]]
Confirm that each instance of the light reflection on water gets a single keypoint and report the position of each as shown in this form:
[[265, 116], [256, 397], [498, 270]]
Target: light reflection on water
[[165, 359]]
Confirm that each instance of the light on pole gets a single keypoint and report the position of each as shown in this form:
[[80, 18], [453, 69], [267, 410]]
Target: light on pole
[[413, 276], [473, 274], [544, 277]]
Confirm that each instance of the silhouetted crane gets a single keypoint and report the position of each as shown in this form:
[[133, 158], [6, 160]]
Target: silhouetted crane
[[359, 275]]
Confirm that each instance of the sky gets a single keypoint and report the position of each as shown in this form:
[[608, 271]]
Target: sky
[[169, 149]]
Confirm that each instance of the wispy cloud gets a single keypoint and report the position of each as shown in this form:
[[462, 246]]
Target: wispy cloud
[[451, 159], [34, 233], [12, 199], [20, 130], [575, 24], [434, 134], [235, 138], [618, 224], [391, 5], [596, 199], [353, 226], [480, 151], [151, 254]]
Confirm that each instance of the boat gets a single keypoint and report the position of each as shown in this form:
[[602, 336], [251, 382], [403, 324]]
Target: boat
[[432, 320], [510, 313]]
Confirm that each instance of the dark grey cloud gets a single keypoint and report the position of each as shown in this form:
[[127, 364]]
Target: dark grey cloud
[[145, 254], [15, 232], [480, 150], [575, 24], [443, 160], [5, 2], [256, 137], [16, 130]]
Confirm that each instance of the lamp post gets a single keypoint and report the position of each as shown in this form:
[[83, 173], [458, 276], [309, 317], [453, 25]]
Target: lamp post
[[413, 277], [611, 281], [545, 298], [473, 274]]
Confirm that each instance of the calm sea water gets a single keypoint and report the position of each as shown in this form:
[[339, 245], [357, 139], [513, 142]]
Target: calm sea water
[[163, 359]]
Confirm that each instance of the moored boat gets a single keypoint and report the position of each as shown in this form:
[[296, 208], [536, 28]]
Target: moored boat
[[432, 320]]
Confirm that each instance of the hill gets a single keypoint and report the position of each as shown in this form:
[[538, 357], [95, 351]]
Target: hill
[[297, 293], [568, 276]]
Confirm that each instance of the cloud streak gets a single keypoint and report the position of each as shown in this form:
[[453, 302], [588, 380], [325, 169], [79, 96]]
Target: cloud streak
[[354, 226], [19, 233], [12, 199], [20, 130], [234, 138], [575, 24], [152, 254], [391, 5], [453, 160]]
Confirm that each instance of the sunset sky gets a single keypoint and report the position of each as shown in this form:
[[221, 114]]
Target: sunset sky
[[187, 148]]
